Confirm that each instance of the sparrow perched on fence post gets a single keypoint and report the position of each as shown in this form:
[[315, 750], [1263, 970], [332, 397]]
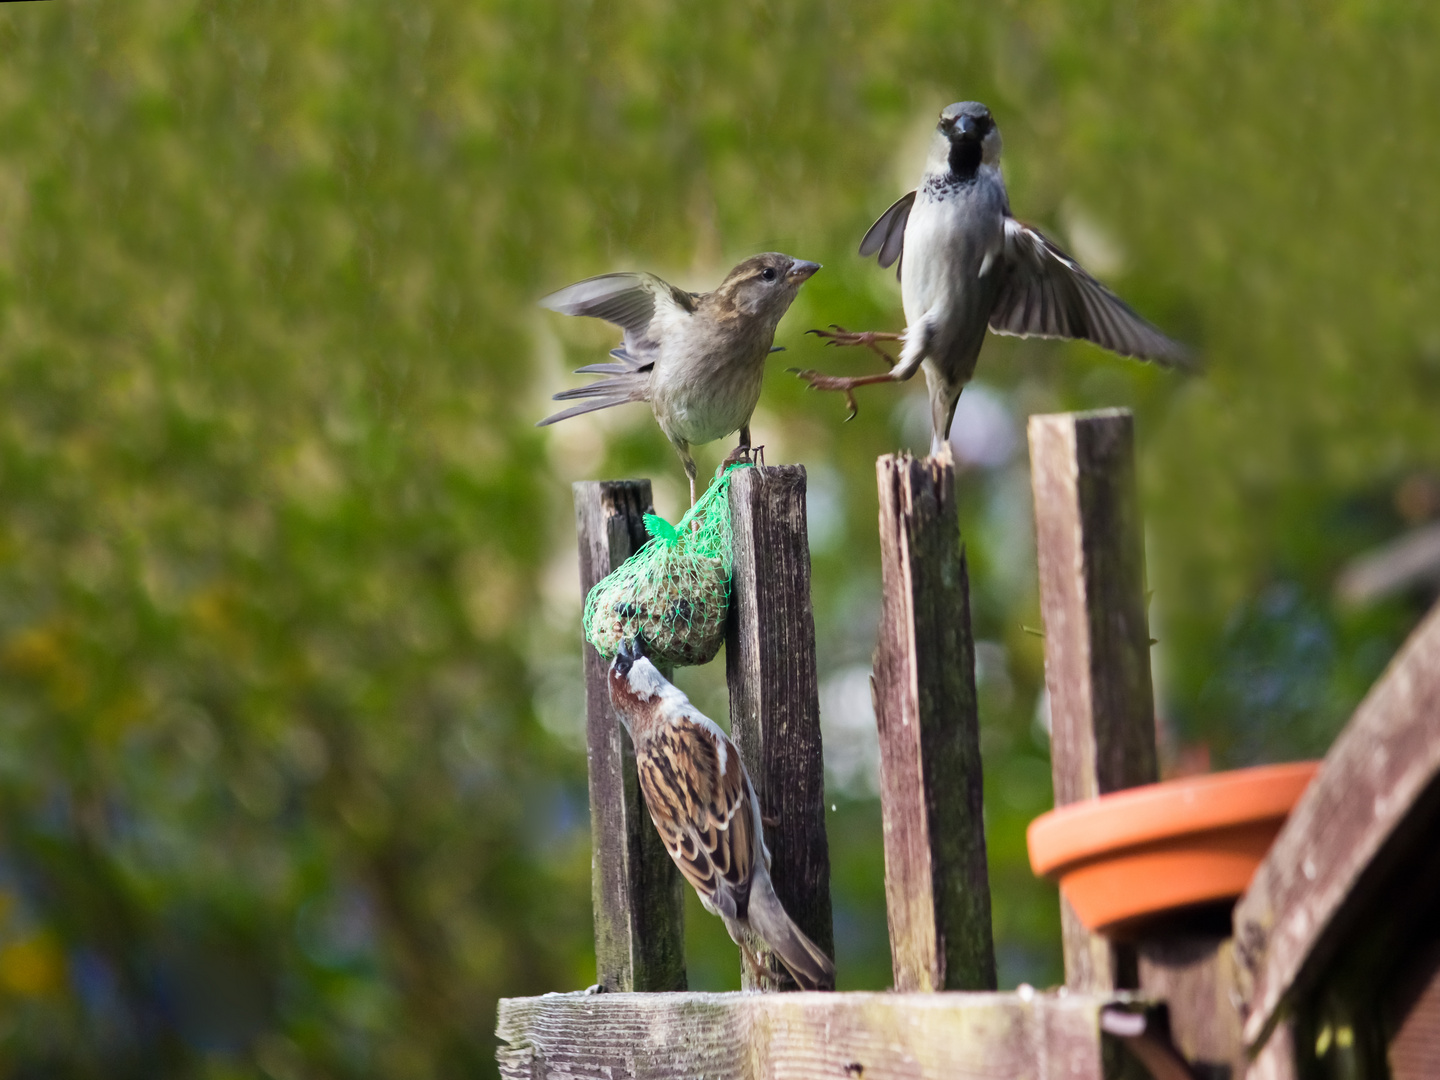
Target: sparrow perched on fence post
[[702, 802], [968, 264], [697, 358]]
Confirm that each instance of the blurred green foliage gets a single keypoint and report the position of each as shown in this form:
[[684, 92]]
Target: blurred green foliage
[[289, 642]]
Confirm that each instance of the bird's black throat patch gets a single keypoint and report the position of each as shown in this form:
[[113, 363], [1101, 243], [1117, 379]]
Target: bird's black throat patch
[[965, 155]]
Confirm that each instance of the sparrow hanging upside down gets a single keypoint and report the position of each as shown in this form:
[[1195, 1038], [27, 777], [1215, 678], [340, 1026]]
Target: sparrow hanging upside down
[[968, 264], [701, 799], [697, 358]]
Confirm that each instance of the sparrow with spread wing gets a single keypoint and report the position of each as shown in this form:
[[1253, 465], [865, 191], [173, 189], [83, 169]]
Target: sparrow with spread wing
[[967, 264], [697, 358], [702, 802]]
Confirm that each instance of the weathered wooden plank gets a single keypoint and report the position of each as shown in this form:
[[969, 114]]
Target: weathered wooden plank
[[775, 697], [636, 888], [1344, 834], [937, 887], [1414, 1051], [1097, 640], [1276, 1059], [806, 1037], [1194, 974]]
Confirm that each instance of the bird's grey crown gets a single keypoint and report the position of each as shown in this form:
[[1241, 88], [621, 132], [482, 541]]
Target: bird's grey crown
[[965, 108]]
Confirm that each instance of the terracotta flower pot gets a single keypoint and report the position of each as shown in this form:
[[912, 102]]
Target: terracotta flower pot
[[1125, 858]]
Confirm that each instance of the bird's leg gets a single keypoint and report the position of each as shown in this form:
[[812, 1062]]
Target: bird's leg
[[838, 335], [683, 449], [846, 385], [758, 970]]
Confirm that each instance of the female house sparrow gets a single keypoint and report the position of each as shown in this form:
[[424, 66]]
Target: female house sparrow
[[702, 802], [697, 358], [967, 264]]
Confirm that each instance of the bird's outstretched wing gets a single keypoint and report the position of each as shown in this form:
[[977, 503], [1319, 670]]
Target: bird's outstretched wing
[[887, 235], [631, 302], [1046, 293], [700, 801]]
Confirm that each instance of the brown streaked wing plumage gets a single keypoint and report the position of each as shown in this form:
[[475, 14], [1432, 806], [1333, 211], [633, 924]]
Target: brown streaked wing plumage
[[704, 818]]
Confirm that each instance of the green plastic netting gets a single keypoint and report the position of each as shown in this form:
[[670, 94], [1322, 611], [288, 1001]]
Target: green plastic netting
[[672, 594]]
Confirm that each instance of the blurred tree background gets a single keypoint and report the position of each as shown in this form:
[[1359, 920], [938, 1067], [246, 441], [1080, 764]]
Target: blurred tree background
[[290, 733]]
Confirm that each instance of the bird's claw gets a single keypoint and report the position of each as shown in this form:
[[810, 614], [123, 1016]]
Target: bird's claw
[[838, 335], [839, 383], [742, 454]]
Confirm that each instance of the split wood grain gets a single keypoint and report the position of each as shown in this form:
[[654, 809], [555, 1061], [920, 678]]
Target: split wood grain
[[636, 888], [1097, 639], [775, 697], [1381, 775], [811, 1036], [937, 888]]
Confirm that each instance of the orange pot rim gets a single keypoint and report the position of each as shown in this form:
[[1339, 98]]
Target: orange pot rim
[[1167, 811]]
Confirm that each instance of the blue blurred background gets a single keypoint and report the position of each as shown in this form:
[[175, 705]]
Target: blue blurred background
[[291, 770]]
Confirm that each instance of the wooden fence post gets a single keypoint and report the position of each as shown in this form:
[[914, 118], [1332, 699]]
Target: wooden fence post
[[774, 696], [636, 888], [937, 889], [1097, 639]]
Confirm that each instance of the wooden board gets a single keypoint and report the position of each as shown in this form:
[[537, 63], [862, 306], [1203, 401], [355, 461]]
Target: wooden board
[[807, 1037], [635, 887], [775, 696], [1194, 974], [937, 886], [1414, 1051], [1097, 638], [1318, 880]]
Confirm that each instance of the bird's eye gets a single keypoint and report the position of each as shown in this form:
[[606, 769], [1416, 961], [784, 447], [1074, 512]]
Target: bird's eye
[[768, 274]]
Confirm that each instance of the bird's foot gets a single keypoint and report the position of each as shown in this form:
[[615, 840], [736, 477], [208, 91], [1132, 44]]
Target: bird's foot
[[844, 385], [838, 335], [742, 455]]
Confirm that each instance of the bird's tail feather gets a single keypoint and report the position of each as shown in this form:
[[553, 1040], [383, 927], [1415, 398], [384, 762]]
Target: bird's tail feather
[[629, 386], [606, 392], [589, 406], [808, 966]]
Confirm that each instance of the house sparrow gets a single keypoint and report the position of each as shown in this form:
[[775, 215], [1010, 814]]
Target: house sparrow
[[701, 799], [968, 263], [697, 358]]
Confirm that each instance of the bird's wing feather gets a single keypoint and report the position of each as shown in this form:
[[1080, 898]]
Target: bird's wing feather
[[887, 235], [1046, 293], [700, 801], [627, 300], [637, 303], [628, 365]]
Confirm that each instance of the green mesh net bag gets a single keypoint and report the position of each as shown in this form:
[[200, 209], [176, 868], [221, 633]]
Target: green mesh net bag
[[672, 594]]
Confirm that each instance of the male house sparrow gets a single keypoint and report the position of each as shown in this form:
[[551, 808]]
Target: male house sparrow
[[701, 799], [968, 263], [697, 358]]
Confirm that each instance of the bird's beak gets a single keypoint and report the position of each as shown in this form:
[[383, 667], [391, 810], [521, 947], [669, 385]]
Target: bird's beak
[[967, 126], [801, 271], [630, 650]]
